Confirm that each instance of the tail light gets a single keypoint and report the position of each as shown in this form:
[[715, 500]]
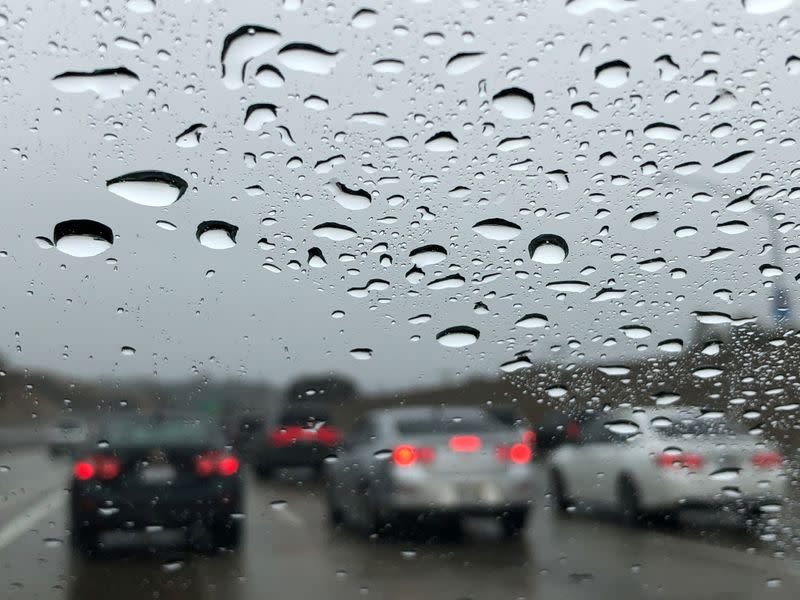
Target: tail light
[[405, 455], [101, 467], [529, 437], [328, 435], [464, 443], [281, 437], [518, 454], [676, 461], [766, 460], [214, 463], [572, 430]]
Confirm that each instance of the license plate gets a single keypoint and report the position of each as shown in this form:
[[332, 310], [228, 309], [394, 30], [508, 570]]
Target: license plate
[[157, 473]]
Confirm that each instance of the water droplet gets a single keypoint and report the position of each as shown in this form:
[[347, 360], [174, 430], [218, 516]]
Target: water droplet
[[240, 48], [351, 199], [573, 287], [334, 231], [82, 238], [733, 227], [315, 258], [622, 427], [377, 119], [724, 474], [514, 143], [458, 337], [644, 221], [269, 77], [258, 115], [584, 110], [516, 365], [763, 7], [419, 319], [315, 103], [442, 142], [447, 283], [707, 372], [497, 229], [388, 65], [217, 235], [141, 6], [428, 255], [666, 398], [191, 136], [148, 188], [514, 103], [662, 131], [532, 321], [364, 18], [734, 163], [43, 242], [636, 332], [548, 249], [464, 62], [612, 74], [106, 83], [52, 542], [308, 58], [583, 7], [361, 353], [128, 350]]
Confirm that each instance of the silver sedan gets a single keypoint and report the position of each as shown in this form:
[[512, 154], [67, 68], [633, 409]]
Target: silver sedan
[[431, 465]]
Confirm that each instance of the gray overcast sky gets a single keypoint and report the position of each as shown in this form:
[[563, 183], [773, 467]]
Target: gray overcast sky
[[60, 147]]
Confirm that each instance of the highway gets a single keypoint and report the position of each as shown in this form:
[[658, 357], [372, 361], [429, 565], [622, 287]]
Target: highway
[[291, 552]]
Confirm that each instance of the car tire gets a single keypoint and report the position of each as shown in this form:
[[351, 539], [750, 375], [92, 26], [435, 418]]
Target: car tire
[[559, 491], [227, 534], [513, 522], [629, 502]]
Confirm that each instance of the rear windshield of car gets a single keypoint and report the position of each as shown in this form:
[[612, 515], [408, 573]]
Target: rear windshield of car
[[696, 428], [166, 432], [304, 418], [449, 426]]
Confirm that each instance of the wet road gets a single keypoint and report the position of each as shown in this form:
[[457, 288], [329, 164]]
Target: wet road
[[290, 552]]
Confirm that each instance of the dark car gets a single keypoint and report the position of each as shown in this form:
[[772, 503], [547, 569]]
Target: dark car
[[511, 417], [163, 471], [303, 436], [247, 431], [559, 428]]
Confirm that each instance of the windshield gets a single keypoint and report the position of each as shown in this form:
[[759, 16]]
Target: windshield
[[158, 432], [342, 228]]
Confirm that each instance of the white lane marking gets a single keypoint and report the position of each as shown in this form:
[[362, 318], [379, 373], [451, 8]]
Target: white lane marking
[[32, 515]]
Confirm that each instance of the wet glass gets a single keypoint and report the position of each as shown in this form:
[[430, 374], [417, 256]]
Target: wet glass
[[282, 219]]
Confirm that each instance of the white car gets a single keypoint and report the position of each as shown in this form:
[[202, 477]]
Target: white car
[[66, 436], [406, 466], [656, 462]]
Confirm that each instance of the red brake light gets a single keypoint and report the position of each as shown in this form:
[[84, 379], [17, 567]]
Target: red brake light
[[281, 437], [676, 461], [572, 430], [766, 460], [227, 466], [518, 453], [529, 437], [405, 455], [83, 470], [465, 443], [212, 463], [102, 467], [107, 467], [328, 435]]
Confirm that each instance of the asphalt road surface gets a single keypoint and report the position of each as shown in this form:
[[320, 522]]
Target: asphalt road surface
[[290, 552]]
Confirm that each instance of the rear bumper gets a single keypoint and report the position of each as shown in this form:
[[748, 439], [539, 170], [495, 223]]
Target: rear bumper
[[293, 455], [492, 493], [99, 508], [749, 491]]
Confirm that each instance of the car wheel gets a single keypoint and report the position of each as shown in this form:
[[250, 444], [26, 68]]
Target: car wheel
[[559, 491], [228, 534], [629, 502], [513, 522]]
